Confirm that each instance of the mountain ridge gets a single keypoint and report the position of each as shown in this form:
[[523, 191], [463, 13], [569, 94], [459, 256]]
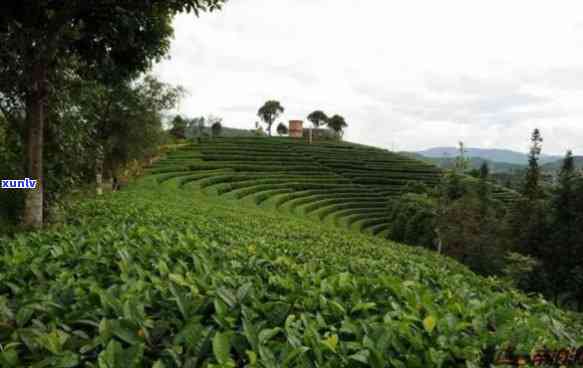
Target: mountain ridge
[[491, 154]]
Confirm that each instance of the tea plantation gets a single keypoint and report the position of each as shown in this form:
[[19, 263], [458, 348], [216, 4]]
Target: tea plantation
[[158, 276], [337, 182]]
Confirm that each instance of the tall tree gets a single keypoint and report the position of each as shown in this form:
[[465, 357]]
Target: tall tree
[[461, 162], [318, 118], [269, 112], [337, 123], [529, 222], [560, 255], [112, 40], [483, 189], [532, 189], [575, 282], [564, 195]]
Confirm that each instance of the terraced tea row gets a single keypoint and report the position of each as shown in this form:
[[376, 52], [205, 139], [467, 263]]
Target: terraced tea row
[[151, 277], [339, 182]]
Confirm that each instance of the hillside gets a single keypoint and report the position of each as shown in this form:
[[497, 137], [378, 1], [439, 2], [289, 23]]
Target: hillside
[[228, 132], [338, 182], [166, 277], [473, 163], [556, 166], [497, 155]]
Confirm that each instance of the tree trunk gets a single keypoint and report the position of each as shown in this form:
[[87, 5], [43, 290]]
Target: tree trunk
[[99, 176], [33, 208], [107, 172], [439, 242]]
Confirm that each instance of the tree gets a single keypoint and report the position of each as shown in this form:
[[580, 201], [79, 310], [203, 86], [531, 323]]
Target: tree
[[318, 118], [469, 225], [109, 40], [269, 112], [179, 125], [127, 119], [560, 256], [461, 162], [337, 124], [532, 189], [10, 167], [195, 127], [282, 129], [575, 281], [530, 222], [483, 191], [216, 129], [564, 196]]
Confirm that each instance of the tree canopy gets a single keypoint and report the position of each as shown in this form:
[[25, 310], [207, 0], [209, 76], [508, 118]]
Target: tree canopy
[[103, 40], [337, 124], [318, 118], [269, 112], [282, 129]]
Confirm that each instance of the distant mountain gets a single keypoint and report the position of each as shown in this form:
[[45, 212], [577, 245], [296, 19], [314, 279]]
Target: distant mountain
[[556, 166], [491, 154], [475, 163]]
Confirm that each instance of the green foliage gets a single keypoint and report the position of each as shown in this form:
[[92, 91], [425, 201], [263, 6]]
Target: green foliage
[[329, 179], [412, 219], [318, 118], [269, 112], [532, 189], [217, 128], [282, 129], [550, 231], [417, 187], [178, 130], [85, 121], [337, 123], [360, 187], [517, 269], [10, 167], [44, 42], [155, 276]]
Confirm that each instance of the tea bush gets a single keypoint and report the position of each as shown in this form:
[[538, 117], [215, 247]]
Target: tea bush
[[154, 276]]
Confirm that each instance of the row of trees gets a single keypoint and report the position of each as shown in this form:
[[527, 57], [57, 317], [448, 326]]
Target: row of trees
[[336, 123], [185, 128], [272, 109], [50, 48], [536, 242], [548, 226]]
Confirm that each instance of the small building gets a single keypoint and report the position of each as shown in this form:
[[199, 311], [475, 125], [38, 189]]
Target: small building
[[296, 128]]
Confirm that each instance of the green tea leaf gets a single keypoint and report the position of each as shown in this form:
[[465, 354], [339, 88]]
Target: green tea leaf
[[222, 348], [429, 323]]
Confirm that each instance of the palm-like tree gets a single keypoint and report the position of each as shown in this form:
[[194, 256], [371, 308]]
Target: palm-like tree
[[269, 112], [337, 123], [318, 118]]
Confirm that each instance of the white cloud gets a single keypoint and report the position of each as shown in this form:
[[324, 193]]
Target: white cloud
[[409, 75]]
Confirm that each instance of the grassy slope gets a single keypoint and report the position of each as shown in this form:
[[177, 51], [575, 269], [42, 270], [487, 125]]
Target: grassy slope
[[336, 182], [159, 274]]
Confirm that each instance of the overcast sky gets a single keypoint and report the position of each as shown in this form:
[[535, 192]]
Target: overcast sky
[[406, 75]]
